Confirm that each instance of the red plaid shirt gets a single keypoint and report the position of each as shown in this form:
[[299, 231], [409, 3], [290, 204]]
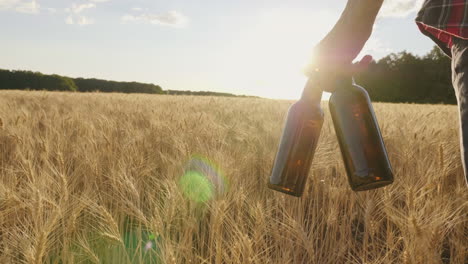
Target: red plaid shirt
[[441, 20]]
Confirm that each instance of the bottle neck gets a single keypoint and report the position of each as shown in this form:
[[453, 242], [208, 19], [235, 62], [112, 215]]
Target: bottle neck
[[311, 93], [345, 82], [348, 86]]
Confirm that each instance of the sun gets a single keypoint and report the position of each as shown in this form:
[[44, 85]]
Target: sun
[[268, 59]]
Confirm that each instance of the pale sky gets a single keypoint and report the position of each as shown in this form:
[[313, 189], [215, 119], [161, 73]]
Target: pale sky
[[253, 47]]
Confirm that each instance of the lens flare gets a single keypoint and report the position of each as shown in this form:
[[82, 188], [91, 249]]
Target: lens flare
[[149, 245], [142, 245], [196, 187], [151, 242], [202, 180]]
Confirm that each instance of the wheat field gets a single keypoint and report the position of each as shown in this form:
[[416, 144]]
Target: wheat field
[[96, 178]]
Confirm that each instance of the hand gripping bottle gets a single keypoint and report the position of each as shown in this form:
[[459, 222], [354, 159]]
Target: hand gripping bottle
[[358, 133], [298, 143]]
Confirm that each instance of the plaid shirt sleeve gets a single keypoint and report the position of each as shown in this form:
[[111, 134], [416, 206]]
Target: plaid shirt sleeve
[[441, 20]]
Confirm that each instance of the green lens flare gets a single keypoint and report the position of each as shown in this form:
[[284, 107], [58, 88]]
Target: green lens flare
[[196, 187]]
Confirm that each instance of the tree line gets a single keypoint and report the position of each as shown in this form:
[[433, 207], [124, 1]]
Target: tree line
[[21, 80], [28, 80], [205, 93], [404, 77], [398, 77]]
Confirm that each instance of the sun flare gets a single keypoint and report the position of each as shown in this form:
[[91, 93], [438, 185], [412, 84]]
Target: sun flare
[[268, 59]]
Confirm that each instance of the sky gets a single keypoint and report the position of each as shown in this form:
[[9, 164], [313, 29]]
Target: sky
[[252, 47]]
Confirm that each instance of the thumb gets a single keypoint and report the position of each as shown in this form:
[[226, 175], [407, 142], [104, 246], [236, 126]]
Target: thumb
[[363, 64]]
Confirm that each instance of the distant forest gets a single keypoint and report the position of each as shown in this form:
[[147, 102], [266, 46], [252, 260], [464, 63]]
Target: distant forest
[[398, 77], [28, 80], [404, 77]]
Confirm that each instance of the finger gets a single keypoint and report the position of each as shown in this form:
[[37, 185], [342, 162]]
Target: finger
[[365, 61], [362, 65]]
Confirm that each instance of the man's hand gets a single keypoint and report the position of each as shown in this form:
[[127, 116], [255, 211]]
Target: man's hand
[[326, 77], [333, 56]]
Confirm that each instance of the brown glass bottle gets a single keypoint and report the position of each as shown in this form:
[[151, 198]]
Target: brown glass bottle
[[298, 142], [362, 147]]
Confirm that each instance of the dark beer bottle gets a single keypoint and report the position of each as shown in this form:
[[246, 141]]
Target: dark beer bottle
[[359, 137], [298, 142]]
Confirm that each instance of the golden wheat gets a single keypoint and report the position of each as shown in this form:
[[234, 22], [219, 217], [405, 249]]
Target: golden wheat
[[88, 178]]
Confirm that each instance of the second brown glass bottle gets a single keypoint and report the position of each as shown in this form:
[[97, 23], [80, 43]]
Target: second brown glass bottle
[[362, 147]]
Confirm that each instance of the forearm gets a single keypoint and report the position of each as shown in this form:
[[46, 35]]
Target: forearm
[[354, 27], [361, 14]]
